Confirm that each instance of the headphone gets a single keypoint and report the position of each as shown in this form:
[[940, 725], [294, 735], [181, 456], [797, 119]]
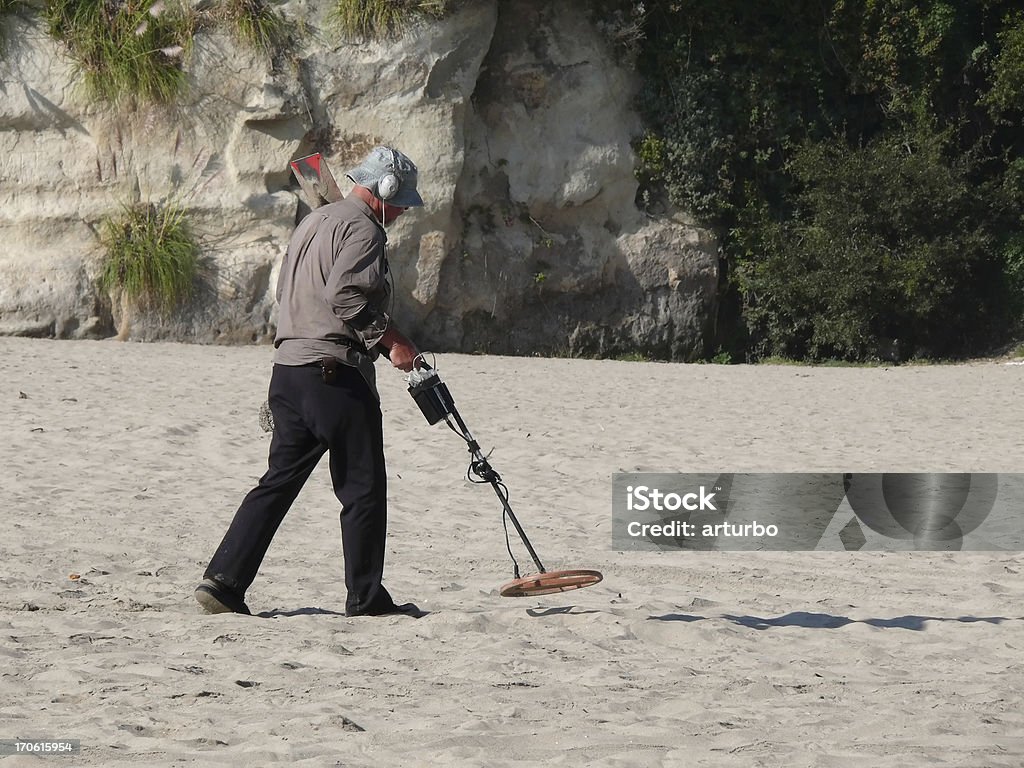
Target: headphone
[[389, 184]]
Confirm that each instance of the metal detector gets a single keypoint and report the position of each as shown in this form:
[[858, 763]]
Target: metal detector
[[436, 403]]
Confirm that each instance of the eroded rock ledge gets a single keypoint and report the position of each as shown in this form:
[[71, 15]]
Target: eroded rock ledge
[[518, 114]]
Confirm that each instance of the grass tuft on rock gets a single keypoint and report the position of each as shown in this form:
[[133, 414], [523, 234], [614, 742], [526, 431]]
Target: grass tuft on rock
[[379, 19], [128, 51], [151, 256], [257, 24]]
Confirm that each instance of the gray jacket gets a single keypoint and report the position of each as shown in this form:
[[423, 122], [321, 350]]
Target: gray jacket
[[333, 289]]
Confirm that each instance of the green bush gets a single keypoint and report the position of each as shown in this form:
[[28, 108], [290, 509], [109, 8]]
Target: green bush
[[889, 246], [729, 87], [378, 19], [857, 161], [1013, 243], [1007, 92], [151, 256], [128, 51]]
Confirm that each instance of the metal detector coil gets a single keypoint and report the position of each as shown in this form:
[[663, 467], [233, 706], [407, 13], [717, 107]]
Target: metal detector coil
[[436, 403], [550, 581]]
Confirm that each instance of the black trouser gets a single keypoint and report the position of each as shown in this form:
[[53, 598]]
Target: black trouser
[[312, 417]]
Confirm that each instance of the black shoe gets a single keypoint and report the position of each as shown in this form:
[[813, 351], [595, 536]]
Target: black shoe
[[405, 609], [214, 597]]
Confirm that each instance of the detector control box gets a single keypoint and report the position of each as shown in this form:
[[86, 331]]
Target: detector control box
[[430, 393]]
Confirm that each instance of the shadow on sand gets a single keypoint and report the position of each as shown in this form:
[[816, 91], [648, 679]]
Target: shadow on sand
[[298, 612], [828, 621]]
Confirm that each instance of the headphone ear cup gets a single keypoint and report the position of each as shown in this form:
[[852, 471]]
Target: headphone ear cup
[[387, 186]]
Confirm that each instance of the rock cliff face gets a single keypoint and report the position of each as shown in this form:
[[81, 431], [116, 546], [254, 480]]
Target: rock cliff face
[[517, 113]]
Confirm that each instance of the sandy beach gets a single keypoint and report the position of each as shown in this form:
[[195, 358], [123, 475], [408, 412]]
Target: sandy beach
[[123, 464]]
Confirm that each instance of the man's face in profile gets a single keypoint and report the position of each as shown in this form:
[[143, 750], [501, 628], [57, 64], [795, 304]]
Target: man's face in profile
[[392, 212]]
